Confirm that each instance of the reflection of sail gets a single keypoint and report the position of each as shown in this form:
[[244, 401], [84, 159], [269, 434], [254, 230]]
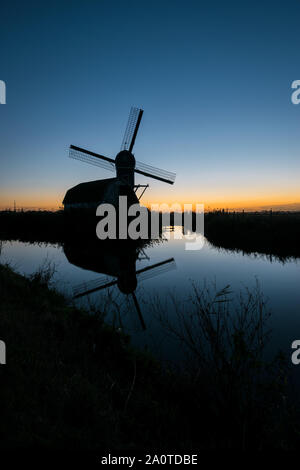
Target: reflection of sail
[[117, 261], [92, 286], [156, 269], [142, 274], [104, 282]]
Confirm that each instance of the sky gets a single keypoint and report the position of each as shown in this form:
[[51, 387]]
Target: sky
[[214, 80]]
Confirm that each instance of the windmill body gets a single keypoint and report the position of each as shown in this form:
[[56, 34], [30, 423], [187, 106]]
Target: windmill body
[[117, 260], [86, 197]]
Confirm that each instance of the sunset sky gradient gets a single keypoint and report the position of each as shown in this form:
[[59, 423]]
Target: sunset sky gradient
[[213, 78]]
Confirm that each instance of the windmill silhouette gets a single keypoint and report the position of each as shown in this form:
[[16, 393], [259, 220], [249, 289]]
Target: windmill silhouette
[[118, 264], [89, 195]]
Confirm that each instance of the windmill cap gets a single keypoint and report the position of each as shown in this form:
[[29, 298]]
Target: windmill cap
[[127, 283], [125, 159]]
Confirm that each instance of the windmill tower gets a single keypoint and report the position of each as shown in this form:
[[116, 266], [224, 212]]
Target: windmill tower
[[88, 196]]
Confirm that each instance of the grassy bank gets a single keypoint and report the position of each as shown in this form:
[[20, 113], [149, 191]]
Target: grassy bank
[[72, 382]]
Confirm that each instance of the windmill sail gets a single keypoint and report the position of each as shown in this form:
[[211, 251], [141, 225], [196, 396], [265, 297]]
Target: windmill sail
[[91, 157], [93, 286], [132, 128], [107, 163], [143, 274], [156, 269], [156, 173], [138, 309], [103, 282]]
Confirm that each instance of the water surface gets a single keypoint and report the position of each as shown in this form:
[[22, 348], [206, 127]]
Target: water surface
[[278, 280]]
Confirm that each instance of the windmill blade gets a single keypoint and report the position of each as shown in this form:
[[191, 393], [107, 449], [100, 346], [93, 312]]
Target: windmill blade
[[92, 286], [156, 269], [132, 128], [91, 157], [139, 312], [156, 173]]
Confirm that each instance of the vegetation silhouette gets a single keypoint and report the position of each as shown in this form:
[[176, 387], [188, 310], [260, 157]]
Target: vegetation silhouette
[[270, 233], [75, 383]]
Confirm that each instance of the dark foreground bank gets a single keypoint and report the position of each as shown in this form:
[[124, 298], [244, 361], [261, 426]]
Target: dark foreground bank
[[71, 382]]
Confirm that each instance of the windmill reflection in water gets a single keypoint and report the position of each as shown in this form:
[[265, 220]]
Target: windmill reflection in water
[[117, 261]]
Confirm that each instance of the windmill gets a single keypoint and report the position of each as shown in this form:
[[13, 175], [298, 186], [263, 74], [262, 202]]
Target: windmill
[[119, 266], [89, 195]]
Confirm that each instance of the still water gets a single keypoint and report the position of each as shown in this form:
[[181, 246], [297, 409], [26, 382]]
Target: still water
[[279, 282]]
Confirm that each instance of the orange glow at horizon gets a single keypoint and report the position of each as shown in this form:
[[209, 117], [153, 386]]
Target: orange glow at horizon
[[52, 201], [230, 203]]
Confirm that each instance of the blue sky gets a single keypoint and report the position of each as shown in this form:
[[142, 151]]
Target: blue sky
[[214, 79]]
